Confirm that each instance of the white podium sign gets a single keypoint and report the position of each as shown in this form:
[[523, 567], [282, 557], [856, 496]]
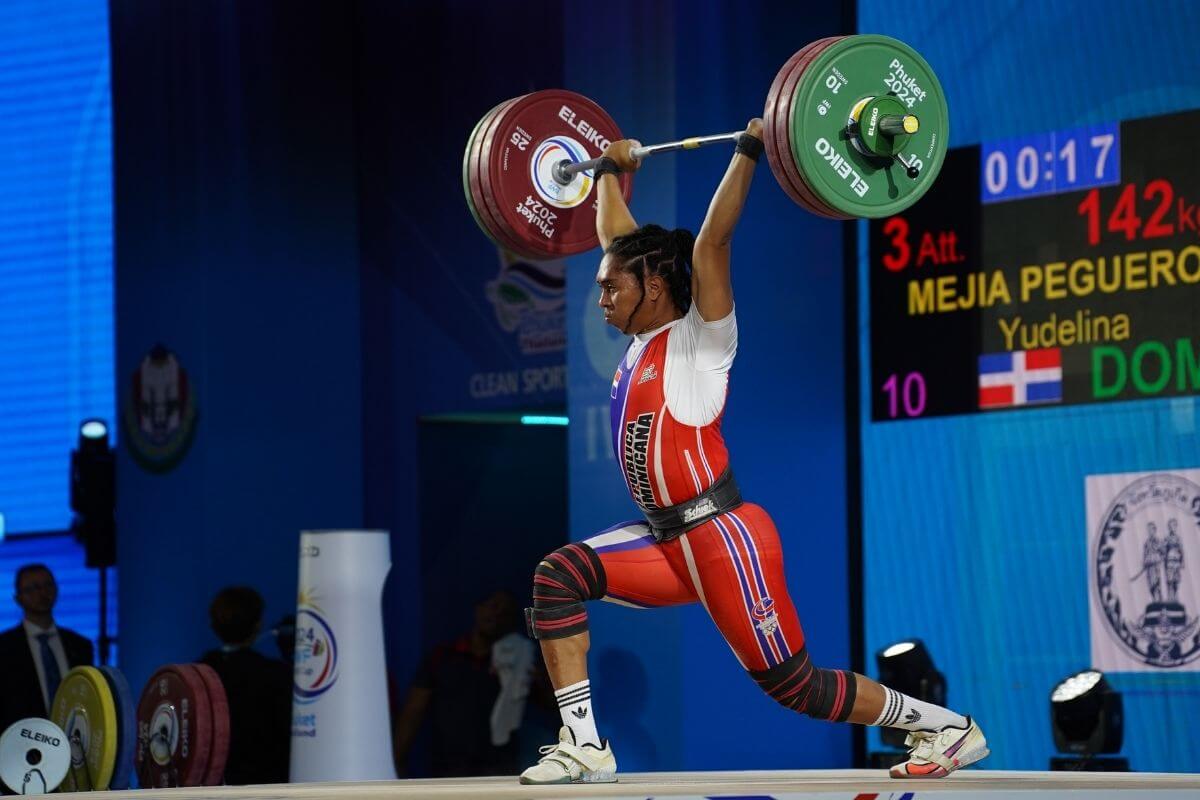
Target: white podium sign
[[341, 729]]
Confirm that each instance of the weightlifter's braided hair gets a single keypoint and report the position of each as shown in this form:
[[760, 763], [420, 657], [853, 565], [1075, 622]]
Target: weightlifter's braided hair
[[654, 250]]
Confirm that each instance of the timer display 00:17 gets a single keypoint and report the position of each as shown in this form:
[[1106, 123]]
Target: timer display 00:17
[[1050, 163]]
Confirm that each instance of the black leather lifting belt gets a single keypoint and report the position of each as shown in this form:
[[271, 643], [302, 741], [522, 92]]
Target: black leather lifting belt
[[668, 523]]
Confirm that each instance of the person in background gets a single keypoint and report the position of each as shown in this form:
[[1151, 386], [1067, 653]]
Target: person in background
[[259, 690], [35, 655], [472, 690]]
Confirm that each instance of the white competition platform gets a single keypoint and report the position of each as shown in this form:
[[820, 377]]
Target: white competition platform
[[846, 784]]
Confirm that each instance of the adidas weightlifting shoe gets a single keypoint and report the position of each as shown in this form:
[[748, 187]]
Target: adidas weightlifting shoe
[[935, 754], [567, 762]]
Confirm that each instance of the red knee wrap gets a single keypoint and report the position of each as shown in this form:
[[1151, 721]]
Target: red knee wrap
[[561, 583], [819, 693]]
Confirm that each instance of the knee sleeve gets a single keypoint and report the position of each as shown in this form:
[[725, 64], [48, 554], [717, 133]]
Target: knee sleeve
[[561, 583], [820, 693]]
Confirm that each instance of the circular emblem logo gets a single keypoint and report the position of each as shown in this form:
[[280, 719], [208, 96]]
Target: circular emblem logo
[[160, 411], [316, 658], [766, 620], [1147, 536], [541, 170]]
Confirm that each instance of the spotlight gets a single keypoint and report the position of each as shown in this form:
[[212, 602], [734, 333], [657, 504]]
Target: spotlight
[[93, 493], [1087, 718], [907, 667], [93, 430]]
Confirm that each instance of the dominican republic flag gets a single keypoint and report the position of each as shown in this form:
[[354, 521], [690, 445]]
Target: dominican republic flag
[[1019, 378]]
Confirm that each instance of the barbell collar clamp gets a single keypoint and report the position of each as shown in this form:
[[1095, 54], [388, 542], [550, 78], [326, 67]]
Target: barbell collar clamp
[[899, 124], [909, 170]]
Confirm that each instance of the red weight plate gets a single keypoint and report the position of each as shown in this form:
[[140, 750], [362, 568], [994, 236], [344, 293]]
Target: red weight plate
[[783, 126], [792, 166], [219, 754], [787, 156], [769, 126], [174, 729], [529, 137], [499, 233], [466, 171], [509, 136], [779, 148], [503, 235], [518, 245], [780, 122]]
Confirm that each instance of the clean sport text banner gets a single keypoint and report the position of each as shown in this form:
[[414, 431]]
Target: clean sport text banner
[[1143, 591], [1052, 269]]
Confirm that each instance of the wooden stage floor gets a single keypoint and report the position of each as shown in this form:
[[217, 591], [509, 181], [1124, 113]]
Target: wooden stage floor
[[791, 785]]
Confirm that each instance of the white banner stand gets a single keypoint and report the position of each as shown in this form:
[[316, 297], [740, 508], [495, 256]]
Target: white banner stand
[[341, 727]]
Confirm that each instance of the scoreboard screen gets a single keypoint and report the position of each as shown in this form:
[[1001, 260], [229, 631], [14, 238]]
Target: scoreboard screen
[[1052, 269]]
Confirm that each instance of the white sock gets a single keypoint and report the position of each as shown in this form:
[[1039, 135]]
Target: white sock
[[911, 714], [575, 706]]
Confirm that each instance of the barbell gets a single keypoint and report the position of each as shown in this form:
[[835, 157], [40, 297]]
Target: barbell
[[853, 126]]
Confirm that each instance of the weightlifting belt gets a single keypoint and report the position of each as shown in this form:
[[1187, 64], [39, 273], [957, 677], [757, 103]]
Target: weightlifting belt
[[673, 521]]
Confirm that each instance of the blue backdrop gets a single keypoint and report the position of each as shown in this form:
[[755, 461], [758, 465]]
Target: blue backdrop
[[995, 504], [236, 246], [56, 290]]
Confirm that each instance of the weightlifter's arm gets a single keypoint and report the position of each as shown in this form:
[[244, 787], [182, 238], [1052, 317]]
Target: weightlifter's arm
[[613, 218], [712, 290]]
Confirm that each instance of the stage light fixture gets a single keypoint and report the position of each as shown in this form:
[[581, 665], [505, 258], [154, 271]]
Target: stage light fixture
[[1087, 719], [93, 430], [93, 493], [907, 667]]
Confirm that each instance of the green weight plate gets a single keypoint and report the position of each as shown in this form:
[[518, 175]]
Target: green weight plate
[[838, 79], [84, 708]]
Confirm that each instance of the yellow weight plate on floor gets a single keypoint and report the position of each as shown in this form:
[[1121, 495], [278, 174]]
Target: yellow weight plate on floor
[[84, 708]]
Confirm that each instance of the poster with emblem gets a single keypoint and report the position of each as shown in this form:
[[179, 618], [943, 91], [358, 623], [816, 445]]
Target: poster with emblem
[[1143, 590], [159, 411]]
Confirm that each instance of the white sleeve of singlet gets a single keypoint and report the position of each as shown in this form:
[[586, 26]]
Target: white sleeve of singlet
[[699, 355]]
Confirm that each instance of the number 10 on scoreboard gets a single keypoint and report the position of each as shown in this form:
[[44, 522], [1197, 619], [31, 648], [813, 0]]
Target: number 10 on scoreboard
[[905, 394]]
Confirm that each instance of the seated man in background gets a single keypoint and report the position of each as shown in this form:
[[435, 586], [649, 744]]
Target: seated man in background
[[35, 655], [259, 690]]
